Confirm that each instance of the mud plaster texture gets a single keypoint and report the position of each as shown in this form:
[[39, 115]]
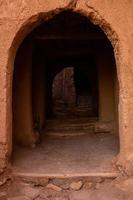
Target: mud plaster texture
[[18, 18]]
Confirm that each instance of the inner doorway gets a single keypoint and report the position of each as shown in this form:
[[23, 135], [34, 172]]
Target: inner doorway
[[65, 98], [75, 92]]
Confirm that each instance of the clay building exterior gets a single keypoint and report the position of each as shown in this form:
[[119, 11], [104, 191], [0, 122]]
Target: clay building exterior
[[67, 64]]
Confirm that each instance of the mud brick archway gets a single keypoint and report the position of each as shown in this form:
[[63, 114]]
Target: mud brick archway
[[125, 107], [84, 103]]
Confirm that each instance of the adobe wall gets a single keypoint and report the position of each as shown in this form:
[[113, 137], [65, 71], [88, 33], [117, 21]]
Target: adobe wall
[[18, 18], [22, 96], [108, 113], [106, 87]]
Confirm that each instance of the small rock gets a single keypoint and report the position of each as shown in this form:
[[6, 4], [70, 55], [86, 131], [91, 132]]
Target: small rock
[[36, 181], [53, 187], [41, 182], [88, 185], [76, 185], [63, 183], [31, 192], [65, 186], [19, 198]]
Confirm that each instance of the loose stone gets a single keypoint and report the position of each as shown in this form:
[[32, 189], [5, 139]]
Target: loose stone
[[53, 187], [76, 185]]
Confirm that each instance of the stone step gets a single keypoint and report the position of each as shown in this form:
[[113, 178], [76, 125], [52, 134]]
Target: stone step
[[70, 130], [62, 179], [72, 121], [69, 127]]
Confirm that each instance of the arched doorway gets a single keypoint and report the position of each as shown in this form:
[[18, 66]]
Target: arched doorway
[[67, 39]]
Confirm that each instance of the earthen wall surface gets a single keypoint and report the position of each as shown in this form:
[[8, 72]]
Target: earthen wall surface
[[18, 18]]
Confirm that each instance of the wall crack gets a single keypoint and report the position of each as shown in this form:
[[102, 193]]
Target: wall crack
[[72, 4]]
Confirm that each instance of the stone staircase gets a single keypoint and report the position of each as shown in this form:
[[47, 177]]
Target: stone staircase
[[83, 108], [70, 127]]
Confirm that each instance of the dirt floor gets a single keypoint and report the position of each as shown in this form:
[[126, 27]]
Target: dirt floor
[[74, 155]]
